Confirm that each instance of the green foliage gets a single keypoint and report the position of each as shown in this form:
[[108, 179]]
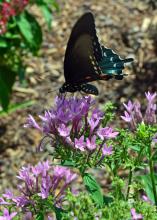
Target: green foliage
[[80, 206], [93, 188], [146, 181], [40, 216], [31, 30], [130, 168], [13, 107], [7, 78], [109, 109], [23, 35], [83, 207], [120, 209]]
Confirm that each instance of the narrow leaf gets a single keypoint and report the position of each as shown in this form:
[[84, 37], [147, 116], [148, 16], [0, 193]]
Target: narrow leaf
[[40, 216], [47, 14]]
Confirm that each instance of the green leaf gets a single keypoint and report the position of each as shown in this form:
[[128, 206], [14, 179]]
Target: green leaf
[[3, 43], [7, 79], [40, 216], [55, 5], [47, 14], [59, 213], [13, 107], [135, 148], [146, 180], [107, 200], [68, 163], [51, 3], [9, 35], [93, 188], [30, 30]]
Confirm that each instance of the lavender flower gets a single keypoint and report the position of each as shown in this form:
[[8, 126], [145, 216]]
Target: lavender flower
[[8, 194], [91, 143], [150, 116], [97, 114], [7, 215], [127, 117], [42, 180], [3, 202], [146, 199], [80, 144], [106, 133], [28, 216], [93, 123], [106, 150], [129, 107], [134, 116], [137, 112], [32, 123], [74, 124], [135, 216], [65, 110], [150, 97], [63, 130], [69, 177]]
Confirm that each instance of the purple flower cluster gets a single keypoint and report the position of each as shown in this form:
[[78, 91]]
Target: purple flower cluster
[[135, 215], [40, 181], [7, 215], [134, 116], [75, 122]]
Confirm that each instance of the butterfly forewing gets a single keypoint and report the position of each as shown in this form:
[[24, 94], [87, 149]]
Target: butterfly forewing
[[83, 52]]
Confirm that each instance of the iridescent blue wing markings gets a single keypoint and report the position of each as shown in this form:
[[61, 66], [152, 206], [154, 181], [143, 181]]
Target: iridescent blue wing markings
[[112, 64], [86, 60]]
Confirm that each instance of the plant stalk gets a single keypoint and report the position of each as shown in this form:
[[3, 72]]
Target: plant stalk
[[152, 176], [129, 183]]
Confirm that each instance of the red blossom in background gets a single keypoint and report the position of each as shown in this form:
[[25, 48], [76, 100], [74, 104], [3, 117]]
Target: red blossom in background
[[8, 10]]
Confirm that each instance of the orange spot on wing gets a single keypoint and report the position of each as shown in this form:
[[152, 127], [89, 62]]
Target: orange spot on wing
[[104, 77]]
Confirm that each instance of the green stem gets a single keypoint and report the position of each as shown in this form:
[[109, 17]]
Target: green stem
[[152, 175], [101, 145], [129, 183], [85, 164]]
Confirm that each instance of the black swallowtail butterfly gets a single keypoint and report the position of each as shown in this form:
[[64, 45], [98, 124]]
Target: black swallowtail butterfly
[[86, 60]]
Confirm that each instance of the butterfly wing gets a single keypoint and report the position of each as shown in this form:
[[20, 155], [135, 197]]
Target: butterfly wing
[[85, 59], [83, 52], [112, 64]]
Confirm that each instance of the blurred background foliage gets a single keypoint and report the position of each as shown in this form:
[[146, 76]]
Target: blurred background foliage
[[20, 34]]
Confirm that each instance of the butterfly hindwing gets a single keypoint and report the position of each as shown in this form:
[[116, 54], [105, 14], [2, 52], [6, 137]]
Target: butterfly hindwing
[[112, 63]]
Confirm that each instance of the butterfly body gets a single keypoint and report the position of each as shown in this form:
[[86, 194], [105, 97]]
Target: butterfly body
[[86, 88], [86, 60]]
